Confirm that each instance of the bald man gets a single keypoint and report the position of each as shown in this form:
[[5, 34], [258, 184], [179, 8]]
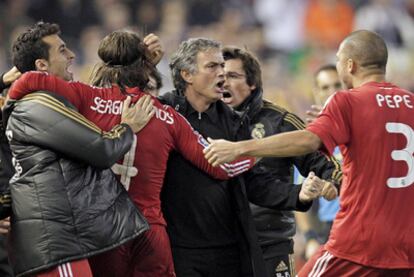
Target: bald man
[[373, 123]]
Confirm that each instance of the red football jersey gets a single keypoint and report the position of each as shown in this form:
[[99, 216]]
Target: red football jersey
[[143, 168], [373, 125]]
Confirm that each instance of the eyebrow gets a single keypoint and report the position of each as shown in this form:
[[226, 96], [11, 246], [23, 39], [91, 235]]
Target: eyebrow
[[234, 72]]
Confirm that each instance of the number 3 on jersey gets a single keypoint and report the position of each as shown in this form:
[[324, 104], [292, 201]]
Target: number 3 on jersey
[[405, 154]]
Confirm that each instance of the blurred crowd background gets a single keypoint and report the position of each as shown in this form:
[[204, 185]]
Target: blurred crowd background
[[292, 38]]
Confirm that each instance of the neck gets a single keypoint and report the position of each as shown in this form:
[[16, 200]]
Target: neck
[[366, 78], [199, 102]]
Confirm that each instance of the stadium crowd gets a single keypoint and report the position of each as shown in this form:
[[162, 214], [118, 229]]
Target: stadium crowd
[[291, 38]]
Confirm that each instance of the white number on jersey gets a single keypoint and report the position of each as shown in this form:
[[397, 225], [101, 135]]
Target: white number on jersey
[[405, 154], [127, 169]]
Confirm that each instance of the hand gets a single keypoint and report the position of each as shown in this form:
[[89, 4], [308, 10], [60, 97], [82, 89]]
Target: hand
[[138, 115], [311, 188], [220, 151], [11, 76], [5, 225], [2, 101], [153, 44], [312, 246], [329, 191], [313, 113]]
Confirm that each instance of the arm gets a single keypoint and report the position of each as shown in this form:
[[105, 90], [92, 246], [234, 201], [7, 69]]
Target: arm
[[191, 145], [7, 78], [330, 129], [34, 81], [263, 189], [41, 119], [325, 167], [281, 145], [266, 190]]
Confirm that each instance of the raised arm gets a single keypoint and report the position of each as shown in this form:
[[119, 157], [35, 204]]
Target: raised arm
[[191, 145], [41, 119], [33, 81]]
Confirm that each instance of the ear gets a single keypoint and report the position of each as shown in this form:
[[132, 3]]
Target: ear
[[42, 65], [252, 88], [351, 66], [187, 76]]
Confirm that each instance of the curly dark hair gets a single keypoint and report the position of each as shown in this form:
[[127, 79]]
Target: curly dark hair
[[29, 45], [126, 62]]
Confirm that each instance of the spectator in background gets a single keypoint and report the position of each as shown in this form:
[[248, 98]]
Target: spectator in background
[[327, 22], [326, 83], [316, 228]]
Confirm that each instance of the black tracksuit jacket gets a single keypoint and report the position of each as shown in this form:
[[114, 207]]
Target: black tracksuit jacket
[[277, 227], [202, 212]]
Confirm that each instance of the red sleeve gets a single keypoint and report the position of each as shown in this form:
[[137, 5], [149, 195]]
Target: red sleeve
[[191, 145], [332, 126], [36, 80]]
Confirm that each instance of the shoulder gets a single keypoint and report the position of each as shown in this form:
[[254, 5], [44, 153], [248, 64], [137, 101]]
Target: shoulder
[[281, 116], [340, 97], [273, 108]]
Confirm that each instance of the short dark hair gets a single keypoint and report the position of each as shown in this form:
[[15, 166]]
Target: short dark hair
[[251, 65], [326, 67], [126, 61], [368, 49], [29, 45]]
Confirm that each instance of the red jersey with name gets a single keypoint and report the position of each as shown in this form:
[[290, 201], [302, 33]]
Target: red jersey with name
[[143, 168], [373, 124]]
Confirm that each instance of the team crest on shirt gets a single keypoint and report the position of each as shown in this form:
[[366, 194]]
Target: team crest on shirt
[[258, 131]]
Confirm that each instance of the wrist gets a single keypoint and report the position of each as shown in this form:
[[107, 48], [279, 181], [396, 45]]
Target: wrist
[[243, 148]]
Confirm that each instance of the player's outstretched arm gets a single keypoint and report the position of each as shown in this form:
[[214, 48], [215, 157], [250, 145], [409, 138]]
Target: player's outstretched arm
[[191, 145], [282, 145]]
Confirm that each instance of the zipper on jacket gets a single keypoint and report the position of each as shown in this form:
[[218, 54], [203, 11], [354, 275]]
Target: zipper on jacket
[[199, 116]]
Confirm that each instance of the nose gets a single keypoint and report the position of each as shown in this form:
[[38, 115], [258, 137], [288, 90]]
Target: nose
[[71, 55], [226, 81], [220, 71]]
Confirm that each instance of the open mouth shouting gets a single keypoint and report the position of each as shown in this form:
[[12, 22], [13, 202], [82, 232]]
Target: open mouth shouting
[[220, 86], [69, 72], [227, 97]]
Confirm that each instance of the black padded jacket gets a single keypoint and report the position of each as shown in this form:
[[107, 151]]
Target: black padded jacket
[[66, 204]]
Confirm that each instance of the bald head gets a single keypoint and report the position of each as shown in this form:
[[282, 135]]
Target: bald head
[[367, 49]]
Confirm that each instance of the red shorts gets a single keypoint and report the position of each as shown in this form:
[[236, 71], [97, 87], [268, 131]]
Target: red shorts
[[71, 269], [148, 255], [324, 264]]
